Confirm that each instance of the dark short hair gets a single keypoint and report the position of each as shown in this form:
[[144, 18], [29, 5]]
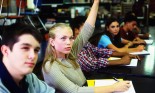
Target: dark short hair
[[77, 22], [130, 16], [13, 32]]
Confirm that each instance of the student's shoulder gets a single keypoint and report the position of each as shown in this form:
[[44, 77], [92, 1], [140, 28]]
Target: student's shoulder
[[3, 89], [52, 65], [1, 84], [104, 36]]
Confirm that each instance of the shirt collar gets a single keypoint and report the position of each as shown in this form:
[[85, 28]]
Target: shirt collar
[[9, 83]]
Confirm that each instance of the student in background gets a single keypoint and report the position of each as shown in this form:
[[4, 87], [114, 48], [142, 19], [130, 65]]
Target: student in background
[[137, 10], [111, 38], [60, 67], [129, 30], [76, 24], [20, 47], [91, 57]]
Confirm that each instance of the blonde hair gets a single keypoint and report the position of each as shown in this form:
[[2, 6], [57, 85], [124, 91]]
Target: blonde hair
[[50, 54]]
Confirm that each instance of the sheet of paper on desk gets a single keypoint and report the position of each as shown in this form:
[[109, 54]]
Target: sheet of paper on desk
[[114, 58], [143, 34], [132, 63], [149, 42], [144, 52], [110, 82]]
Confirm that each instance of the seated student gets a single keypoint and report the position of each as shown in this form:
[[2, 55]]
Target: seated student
[[111, 38], [20, 46], [60, 67], [129, 30], [91, 57]]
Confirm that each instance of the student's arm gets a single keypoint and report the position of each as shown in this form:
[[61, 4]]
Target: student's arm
[[39, 86], [100, 52], [136, 49], [127, 43], [125, 60], [126, 48], [137, 40], [124, 41], [93, 13], [111, 46], [119, 54], [88, 60], [117, 87], [131, 43], [87, 30]]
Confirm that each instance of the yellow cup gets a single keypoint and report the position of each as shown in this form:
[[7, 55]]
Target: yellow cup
[[90, 83]]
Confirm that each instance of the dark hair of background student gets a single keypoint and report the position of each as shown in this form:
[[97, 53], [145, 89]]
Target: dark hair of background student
[[13, 32]]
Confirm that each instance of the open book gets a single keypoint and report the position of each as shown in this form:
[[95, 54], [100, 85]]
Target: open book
[[132, 63], [106, 82]]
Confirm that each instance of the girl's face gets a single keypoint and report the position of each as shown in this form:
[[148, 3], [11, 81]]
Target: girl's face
[[62, 42], [113, 28]]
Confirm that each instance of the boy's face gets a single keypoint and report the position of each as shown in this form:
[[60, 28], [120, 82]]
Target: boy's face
[[22, 58], [131, 25]]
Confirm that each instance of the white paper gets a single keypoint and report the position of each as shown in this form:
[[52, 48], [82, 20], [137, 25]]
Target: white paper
[[144, 52], [110, 82], [149, 42], [114, 58], [132, 63], [143, 34]]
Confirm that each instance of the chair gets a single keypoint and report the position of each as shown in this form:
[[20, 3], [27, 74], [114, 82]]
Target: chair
[[1, 6], [32, 12]]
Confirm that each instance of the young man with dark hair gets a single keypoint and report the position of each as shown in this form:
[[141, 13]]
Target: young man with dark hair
[[130, 24], [20, 46]]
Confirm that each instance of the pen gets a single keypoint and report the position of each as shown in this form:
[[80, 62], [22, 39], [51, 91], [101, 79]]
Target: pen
[[115, 79]]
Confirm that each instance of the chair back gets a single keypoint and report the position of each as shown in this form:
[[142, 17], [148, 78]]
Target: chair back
[[1, 7], [20, 4]]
